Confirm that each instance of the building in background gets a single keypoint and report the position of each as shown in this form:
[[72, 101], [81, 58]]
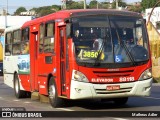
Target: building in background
[[2, 12], [155, 17], [7, 21]]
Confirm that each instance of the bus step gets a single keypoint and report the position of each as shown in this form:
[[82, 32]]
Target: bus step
[[44, 99], [35, 96]]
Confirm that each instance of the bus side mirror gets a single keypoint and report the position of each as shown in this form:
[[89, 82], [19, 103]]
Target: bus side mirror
[[68, 30]]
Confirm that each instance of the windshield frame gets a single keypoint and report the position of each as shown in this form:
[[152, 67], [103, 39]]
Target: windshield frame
[[90, 63]]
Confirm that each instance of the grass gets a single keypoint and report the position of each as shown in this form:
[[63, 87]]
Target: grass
[[156, 80]]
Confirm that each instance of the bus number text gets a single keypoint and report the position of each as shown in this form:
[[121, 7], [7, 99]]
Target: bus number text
[[126, 79]]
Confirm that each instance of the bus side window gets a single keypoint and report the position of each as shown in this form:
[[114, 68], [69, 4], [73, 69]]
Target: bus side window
[[8, 44], [16, 49], [25, 41], [49, 37], [25, 48], [41, 38], [8, 50], [16, 42]]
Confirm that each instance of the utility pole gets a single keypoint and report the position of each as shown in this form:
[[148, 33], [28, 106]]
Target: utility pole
[[116, 4], [7, 7], [6, 15], [84, 4], [64, 6]]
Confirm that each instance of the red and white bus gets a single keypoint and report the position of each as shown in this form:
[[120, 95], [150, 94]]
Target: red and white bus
[[79, 54]]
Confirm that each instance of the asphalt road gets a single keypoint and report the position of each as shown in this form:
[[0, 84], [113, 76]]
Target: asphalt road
[[151, 103]]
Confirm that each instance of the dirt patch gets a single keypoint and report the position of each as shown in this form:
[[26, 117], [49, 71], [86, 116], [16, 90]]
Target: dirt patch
[[156, 73]]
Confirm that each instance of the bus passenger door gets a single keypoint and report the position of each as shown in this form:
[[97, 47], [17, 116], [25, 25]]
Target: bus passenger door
[[33, 59], [63, 76]]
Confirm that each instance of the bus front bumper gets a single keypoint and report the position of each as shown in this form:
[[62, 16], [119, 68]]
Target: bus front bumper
[[81, 90]]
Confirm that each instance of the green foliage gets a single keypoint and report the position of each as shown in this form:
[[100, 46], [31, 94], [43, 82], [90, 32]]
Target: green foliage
[[93, 4], [148, 3], [105, 5], [120, 4], [19, 10], [74, 5], [42, 11], [56, 7], [70, 4], [136, 9], [45, 11]]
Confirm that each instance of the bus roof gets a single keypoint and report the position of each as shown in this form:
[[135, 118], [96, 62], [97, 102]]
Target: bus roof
[[80, 12]]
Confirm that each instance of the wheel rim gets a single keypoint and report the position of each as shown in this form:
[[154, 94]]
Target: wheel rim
[[52, 92], [16, 86]]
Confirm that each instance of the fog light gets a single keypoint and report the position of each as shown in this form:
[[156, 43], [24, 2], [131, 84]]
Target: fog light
[[147, 88], [78, 90]]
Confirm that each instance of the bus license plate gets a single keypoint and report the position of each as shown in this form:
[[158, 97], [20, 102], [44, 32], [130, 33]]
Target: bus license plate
[[113, 87]]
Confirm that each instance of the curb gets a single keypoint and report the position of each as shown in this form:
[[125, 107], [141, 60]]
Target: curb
[[155, 84]]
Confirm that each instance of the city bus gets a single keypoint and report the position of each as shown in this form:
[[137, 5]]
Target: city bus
[[80, 54]]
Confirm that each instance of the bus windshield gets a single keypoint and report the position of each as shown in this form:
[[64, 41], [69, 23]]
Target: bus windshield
[[110, 39]]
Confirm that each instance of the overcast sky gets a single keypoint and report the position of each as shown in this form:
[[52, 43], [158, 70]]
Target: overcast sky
[[28, 4]]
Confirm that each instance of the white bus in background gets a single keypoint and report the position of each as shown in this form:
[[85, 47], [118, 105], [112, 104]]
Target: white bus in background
[[10, 53], [155, 17]]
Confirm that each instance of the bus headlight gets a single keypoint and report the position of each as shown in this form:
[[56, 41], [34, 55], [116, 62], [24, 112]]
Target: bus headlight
[[146, 74], [78, 76]]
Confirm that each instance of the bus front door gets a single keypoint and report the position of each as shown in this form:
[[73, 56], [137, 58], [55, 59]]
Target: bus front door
[[33, 60], [63, 63]]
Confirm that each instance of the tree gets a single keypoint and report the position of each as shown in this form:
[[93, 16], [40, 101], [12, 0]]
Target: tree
[[93, 4], [19, 10], [120, 4], [56, 7], [42, 11], [105, 5], [74, 5], [135, 9], [148, 3]]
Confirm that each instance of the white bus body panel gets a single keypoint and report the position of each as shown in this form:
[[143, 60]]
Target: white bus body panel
[[10, 63], [81, 90]]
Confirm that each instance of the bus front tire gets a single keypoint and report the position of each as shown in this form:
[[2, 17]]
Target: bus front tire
[[54, 100], [18, 93]]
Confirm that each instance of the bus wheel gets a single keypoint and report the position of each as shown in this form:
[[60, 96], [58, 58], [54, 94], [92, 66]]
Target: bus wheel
[[54, 100], [18, 93], [120, 101]]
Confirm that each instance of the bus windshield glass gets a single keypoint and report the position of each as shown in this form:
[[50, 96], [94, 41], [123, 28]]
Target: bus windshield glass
[[110, 39]]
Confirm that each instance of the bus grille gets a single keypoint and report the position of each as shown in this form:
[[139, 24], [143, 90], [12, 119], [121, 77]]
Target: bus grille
[[111, 74], [122, 90]]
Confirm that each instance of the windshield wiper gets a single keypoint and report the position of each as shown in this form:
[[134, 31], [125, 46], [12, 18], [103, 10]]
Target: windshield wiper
[[126, 49], [96, 63]]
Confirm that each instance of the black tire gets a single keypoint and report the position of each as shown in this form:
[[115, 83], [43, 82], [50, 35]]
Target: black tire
[[54, 100], [120, 101], [18, 93]]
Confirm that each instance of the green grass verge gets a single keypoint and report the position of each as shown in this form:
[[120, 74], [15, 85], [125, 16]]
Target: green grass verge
[[156, 80]]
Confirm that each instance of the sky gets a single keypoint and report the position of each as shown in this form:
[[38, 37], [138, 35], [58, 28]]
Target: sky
[[28, 4]]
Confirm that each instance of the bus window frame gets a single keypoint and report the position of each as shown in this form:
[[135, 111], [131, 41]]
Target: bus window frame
[[41, 39], [16, 43], [8, 44], [23, 41], [47, 37], [19, 34]]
